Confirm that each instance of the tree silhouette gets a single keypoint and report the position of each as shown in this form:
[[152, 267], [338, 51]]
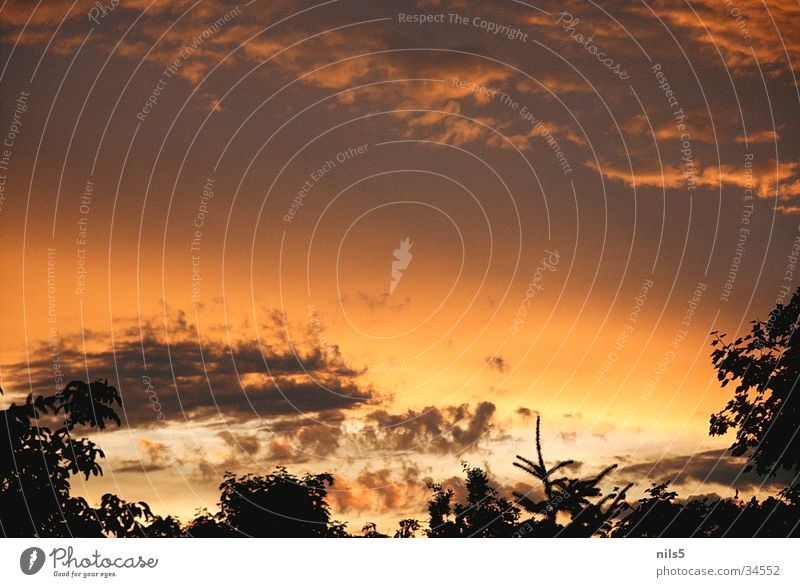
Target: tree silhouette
[[441, 520], [662, 514], [370, 530], [275, 505], [765, 408], [169, 527], [572, 496], [38, 455], [658, 514], [408, 528], [485, 515], [207, 525], [124, 520]]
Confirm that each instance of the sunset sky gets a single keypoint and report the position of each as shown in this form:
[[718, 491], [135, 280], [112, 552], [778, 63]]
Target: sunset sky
[[204, 202]]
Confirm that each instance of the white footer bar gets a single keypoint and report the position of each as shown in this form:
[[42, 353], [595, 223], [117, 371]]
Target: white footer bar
[[396, 562]]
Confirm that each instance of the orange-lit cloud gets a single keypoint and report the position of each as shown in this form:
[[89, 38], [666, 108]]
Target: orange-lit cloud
[[760, 136], [743, 32], [768, 179]]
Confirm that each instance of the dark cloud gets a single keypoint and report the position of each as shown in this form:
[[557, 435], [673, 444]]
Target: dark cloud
[[292, 440], [713, 467], [244, 442], [282, 452], [497, 363], [195, 379], [527, 413], [377, 302], [319, 440], [452, 429]]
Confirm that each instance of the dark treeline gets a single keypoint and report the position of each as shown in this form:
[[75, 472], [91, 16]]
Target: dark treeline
[[40, 451]]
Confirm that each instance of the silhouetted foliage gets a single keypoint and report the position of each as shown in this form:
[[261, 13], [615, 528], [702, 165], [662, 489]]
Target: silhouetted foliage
[[586, 510], [124, 520], [39, 454], [370, 530], [659, 515], [765, 408], [662, 514], [408, 528], [206, 525], [168, 527], [275, 505], [485, 515]]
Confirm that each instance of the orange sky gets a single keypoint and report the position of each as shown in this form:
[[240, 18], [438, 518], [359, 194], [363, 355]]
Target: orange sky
[[575, 234]]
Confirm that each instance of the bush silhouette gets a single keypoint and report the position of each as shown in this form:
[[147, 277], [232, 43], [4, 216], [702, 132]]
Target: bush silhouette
[[275, 505]]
